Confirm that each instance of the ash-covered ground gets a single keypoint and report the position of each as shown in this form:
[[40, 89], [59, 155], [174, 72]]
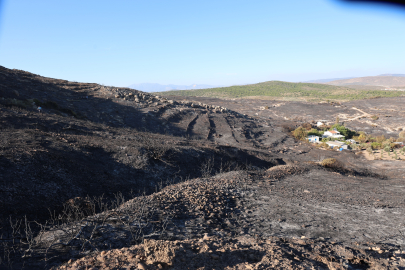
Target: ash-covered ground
[[115, 177]]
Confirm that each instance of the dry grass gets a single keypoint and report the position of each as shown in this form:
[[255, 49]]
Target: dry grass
[[329, 162], [376, 155]]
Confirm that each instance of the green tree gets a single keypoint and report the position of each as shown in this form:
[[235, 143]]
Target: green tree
[[344, 131], [375, 145], [314, 132], [387, 149], [327, 139], [300, 133], [362, 138]]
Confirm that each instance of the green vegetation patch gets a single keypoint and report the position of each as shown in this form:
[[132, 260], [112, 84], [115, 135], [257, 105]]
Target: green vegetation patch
[[287, 90]]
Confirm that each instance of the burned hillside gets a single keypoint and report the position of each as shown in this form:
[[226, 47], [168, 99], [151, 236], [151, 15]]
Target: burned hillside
[[137, 169]]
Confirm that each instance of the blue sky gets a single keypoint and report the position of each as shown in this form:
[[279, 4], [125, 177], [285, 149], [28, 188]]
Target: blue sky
[[204, 42]]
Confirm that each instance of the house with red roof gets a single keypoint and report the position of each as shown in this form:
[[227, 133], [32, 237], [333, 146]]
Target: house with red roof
[[333, 134]]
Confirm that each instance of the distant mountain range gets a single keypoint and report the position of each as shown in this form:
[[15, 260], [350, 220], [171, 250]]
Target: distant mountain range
[[380, 82], [348, 78], [155, 87], [327, 80], [369, 82], [386, 80], [394, 75]]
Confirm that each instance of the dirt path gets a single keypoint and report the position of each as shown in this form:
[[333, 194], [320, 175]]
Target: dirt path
[[346, 117]]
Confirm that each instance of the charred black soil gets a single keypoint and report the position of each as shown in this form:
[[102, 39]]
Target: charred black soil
[[176, 170]]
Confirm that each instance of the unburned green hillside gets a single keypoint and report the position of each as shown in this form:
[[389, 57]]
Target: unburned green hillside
[[288, 91]]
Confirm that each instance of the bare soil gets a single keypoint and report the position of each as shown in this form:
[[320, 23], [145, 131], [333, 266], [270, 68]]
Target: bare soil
[[356, 115], [382, 155]]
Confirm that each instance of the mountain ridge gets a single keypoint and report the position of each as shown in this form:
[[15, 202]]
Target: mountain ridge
[[381, 80], [156, 87]]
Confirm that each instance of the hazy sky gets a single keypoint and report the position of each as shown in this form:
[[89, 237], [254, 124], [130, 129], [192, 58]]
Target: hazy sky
[[206, 42]]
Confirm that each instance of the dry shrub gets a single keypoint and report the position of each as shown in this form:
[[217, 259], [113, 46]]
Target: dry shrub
[[287, 128], [156, 149], [307, 126], [329, 162], [300, 133]]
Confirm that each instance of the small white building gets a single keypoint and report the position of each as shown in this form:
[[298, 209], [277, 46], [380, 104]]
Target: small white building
[[321, 123], [313, 139], [333, 134], [337, 145]]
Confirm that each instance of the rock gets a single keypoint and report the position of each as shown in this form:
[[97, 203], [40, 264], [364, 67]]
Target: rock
[[141, 266]]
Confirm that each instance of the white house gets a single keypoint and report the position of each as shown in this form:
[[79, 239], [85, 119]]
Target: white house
[[313, 138], [332, 134], [320, 123], [337, 144]]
